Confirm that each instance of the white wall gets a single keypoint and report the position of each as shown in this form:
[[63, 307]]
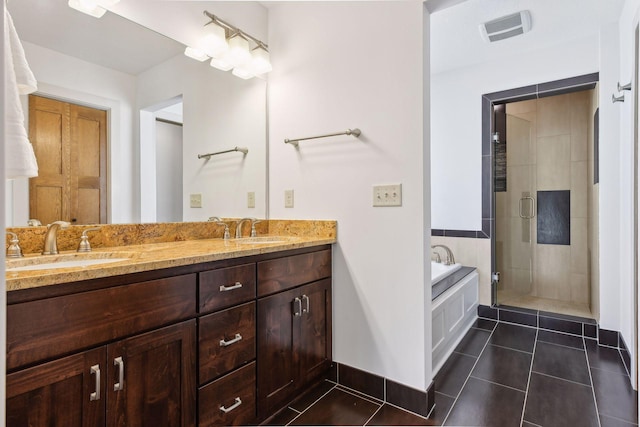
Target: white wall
[[340, 65], [220, 112], [67, 78]]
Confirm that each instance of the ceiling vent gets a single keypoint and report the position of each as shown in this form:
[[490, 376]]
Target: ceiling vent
[[506, 26]]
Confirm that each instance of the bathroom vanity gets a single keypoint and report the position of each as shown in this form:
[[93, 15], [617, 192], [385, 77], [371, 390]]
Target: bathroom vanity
[[223, 334]]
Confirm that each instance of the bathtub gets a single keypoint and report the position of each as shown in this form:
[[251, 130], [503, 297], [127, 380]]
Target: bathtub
[[439, 271]]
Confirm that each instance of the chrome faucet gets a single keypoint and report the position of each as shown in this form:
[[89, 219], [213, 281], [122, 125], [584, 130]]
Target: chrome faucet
[[14, 250], [51, 238], [239, 226], [449, 259], [218, 221]]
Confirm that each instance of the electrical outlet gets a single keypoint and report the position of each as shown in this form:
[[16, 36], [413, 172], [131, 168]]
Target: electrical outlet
[[251, 199], [195, 200], [387, 195], [288, 198]]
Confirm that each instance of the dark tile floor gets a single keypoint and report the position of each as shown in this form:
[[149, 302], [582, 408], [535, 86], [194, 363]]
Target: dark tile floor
[[499, 375]]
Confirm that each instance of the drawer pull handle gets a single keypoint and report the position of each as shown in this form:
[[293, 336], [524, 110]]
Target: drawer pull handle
[[224, 343], [224, 288], [120, 364], [297, 307], [232, 407], [306, 308], [95, 369]]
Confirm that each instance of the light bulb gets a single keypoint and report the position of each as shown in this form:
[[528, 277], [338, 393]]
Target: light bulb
[[196, 54], [220, 64], [260, 62], [214, 42], [243, 73], [90, 7], [238, 54]]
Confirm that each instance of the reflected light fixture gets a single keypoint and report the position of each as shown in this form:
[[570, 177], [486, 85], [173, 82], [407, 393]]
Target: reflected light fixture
[[95, 8], [229, 48], [196, 54]]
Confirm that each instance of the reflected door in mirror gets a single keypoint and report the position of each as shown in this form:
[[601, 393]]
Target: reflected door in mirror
[[70, 142]]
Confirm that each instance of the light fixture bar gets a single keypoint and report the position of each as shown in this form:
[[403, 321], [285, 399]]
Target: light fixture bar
[[232, 29]]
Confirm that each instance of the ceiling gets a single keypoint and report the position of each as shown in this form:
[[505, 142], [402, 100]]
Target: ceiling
[[110, 41], [455, 37]]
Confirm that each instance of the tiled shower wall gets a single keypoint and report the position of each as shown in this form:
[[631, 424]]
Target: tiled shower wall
[[594, 214], [557, 158]]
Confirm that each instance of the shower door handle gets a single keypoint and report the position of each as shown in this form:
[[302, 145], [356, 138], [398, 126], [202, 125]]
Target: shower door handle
[[532, 212]]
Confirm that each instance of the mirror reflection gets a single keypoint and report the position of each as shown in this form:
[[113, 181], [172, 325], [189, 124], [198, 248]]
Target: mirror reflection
[[161, 110]]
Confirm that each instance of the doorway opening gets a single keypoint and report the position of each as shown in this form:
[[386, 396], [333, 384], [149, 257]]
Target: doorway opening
[[540, 144], [161, 167]]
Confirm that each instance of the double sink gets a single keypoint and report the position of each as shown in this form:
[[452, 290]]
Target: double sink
[[88, 259]]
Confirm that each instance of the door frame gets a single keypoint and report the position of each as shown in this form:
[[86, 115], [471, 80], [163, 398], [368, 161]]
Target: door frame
[[489, 102]]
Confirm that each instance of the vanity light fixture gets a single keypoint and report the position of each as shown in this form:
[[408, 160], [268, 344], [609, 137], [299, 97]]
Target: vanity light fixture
[[229, 48], [95, 8], [196, 54]]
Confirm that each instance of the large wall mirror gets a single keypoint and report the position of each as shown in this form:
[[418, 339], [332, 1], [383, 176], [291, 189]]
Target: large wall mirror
[[162, 110]]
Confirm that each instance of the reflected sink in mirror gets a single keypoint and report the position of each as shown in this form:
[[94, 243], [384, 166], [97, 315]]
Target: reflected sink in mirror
[[71, 260], [261, 240]]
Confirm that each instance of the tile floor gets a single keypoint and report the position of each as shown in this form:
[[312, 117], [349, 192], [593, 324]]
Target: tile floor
[[500, 374]]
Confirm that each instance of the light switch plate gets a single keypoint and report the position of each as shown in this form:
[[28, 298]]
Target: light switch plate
[[288, 198], [195, 200], [387, 195], [251, 199]]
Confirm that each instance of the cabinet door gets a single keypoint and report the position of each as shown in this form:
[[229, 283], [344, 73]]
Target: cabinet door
[[314, 343], [276, 356], [151, 380], [67, 392]]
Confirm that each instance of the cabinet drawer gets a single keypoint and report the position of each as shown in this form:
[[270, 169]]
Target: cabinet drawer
[[236, 393], [227, 286], [43, 329], [283, 273], [226, 340]]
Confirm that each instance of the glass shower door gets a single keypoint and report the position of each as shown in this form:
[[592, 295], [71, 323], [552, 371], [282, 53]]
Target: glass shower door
[[515, 198]]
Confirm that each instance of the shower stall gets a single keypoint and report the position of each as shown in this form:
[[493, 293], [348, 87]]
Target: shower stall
[[545, 195]]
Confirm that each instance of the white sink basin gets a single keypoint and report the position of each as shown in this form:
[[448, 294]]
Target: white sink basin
[[73, 260], [261, 240]]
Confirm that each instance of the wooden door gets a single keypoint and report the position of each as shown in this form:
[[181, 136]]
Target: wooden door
[[70, 143], [276, 356], [151, 379], [63, 392], [314, 341]]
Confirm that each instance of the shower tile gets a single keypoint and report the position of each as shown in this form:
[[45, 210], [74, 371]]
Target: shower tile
[[553, 171], [520, 181], [552, 269], [519, 318], [579, 288], [518, 108], [554, 222], [568, 317], [518, 141], [579, 180], [580, 118], [579, 242], [559, 325], [554, 116]]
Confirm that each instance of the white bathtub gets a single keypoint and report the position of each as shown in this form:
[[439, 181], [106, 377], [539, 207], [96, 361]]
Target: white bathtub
[[439, 271]]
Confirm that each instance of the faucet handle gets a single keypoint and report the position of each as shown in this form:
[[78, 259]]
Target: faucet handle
[[254, 221], [84, 245], [14, 250], [34, 223], [438, 259], [218, 221]]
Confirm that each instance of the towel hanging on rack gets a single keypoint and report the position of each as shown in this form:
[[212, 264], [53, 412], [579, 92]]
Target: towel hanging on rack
[[20, 160]]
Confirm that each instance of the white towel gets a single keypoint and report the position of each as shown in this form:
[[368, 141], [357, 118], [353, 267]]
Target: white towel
[[20, 160]]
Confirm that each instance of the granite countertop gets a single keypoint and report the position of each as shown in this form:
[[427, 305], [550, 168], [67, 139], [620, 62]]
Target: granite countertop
[[154, 256]]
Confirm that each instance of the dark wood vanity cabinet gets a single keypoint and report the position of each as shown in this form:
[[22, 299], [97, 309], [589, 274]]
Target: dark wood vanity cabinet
[[210, 344], [294, 327]]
